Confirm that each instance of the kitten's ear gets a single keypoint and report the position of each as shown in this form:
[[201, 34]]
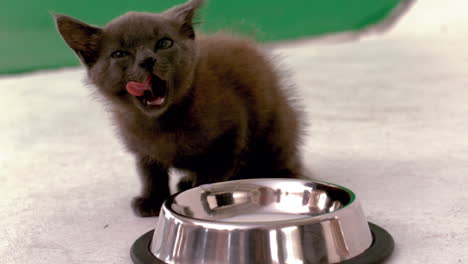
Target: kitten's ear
[[84, 39], [184, 15]]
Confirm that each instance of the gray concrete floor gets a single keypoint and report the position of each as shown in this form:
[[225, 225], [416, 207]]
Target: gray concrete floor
[[388, 118]]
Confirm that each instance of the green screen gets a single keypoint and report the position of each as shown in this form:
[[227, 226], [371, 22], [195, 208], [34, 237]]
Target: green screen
[[29, 41]]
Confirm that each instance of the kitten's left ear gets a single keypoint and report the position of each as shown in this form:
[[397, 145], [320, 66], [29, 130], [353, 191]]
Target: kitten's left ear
[[184, 15]]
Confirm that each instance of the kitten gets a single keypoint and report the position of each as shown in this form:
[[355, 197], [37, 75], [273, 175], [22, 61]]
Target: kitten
[[211, 105]]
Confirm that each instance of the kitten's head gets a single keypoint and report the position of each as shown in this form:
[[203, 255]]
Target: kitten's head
[[141, 60]]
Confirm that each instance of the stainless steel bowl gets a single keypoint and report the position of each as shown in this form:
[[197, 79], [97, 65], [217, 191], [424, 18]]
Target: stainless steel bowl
[[261, 221]]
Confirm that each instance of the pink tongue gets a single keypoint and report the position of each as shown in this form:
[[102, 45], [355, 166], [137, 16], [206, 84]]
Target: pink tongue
[[138, 89]]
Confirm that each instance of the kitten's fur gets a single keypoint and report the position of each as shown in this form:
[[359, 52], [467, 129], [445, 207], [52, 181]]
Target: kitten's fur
[[225, 115]]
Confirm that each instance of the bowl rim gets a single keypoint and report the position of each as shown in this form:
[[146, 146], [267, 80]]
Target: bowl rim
[[167, 211]]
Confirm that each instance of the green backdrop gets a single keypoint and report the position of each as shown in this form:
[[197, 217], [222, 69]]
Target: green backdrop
[[28, 40]]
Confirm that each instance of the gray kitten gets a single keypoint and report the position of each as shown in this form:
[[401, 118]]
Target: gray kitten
[[211, 105]]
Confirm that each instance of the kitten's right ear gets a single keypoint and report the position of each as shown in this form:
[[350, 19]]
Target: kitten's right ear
[[84, 39]]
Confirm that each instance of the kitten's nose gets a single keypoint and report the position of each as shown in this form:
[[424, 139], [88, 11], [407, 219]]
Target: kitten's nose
[[148, 64]]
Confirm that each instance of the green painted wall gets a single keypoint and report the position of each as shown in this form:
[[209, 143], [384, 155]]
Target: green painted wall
[[28, 40]]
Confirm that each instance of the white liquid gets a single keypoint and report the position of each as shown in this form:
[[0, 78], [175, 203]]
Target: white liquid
[[262, 217]]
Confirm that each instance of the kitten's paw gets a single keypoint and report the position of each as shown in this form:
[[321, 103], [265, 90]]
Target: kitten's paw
[[146, 207]]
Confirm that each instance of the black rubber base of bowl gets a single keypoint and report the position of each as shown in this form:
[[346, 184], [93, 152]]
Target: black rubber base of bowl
[[381, 248]]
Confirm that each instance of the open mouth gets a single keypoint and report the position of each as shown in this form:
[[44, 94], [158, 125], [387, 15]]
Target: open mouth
[[152, 93]]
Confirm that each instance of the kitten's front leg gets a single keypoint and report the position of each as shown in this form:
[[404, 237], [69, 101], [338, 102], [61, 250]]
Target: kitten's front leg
[[155, 183]]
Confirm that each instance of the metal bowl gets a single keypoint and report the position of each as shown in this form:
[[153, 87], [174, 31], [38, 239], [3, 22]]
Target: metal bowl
[[263, 221]]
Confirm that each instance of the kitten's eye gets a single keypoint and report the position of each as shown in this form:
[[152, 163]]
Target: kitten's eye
[[119, 54], [164, 43]]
